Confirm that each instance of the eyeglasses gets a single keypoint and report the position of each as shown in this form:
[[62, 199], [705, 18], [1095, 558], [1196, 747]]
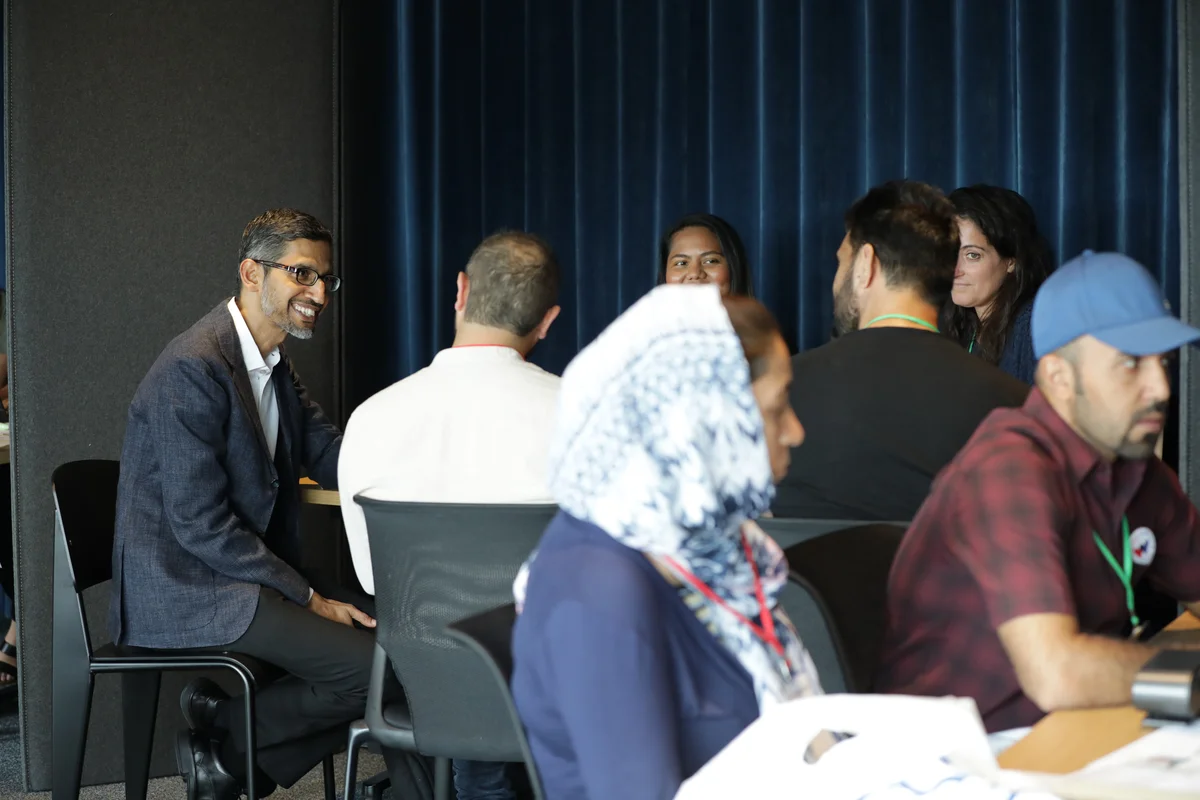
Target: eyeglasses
[[306, 276]]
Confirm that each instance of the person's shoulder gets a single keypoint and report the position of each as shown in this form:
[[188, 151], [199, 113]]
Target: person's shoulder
[[1011, 436], [981, 382], [578, 561], [539, 378], [200, 342], [189, 355], [816, 362], [389, 400], [994, 385]]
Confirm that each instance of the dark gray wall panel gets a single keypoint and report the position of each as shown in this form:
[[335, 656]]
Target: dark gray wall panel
[[1189, 248], [142, 136]]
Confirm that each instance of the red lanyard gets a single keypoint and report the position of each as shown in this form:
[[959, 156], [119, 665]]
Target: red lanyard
[[765, 631]]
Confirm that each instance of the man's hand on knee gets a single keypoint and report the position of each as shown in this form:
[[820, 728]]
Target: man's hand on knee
[[344, 613]]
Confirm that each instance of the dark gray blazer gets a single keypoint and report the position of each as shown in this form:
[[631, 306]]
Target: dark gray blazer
[[198, 488]]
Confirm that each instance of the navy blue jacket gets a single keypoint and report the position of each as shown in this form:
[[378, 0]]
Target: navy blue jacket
[[622, 690], [198, 490], [1017, 359]]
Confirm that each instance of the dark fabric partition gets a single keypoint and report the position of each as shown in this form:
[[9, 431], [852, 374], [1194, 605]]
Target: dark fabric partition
[[1189, 226], [596, 122], [142, 136]]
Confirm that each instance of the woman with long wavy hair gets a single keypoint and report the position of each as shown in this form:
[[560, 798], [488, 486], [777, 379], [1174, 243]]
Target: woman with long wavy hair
[[1002, 260]]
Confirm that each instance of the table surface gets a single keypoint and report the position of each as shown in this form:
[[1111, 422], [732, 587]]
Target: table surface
[[310, 492], [1065, 741]]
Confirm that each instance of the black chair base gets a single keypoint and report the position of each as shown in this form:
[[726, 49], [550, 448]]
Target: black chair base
[[374, 787]]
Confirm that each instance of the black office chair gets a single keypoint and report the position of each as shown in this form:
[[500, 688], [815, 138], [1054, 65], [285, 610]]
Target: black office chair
[[85, 494], [837, 598], [490, 635], [434, 564]]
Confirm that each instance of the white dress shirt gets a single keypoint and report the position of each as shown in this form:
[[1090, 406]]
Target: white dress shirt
[[259, 370], [472, 427]]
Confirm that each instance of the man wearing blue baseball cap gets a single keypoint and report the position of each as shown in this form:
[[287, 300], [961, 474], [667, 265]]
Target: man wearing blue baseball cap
[[1014, 584]]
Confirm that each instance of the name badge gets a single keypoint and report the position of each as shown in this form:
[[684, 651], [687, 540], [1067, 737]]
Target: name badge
[[1143, 546]]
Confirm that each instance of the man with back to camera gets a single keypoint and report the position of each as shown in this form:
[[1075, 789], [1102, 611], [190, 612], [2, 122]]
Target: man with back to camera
[[472, 427], [1014, 584], [207, 547], [889, 402]]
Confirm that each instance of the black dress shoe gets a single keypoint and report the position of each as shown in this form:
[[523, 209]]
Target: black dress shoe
[[199, 702], [204, 774]]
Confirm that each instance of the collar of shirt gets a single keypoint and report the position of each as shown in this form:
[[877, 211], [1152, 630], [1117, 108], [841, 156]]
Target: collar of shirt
[[255, 363], [1117, 481], [476, 353]]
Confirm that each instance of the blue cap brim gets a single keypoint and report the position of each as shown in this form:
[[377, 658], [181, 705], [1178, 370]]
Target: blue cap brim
[[1150, 337]]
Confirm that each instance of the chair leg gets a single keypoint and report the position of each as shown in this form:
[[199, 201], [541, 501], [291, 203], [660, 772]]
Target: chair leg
[[330, 784], [359, 734], [442, 784], [251, 741], [139, 706], [71, 703], [374, 786]]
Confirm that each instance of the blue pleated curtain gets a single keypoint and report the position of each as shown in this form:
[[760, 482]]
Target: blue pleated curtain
[[596, 122]]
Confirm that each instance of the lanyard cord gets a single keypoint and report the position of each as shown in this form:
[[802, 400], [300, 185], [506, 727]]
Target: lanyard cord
[[906, 318], [765, 630], [1124, 570]]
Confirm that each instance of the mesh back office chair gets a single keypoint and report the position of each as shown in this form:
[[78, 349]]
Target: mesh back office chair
[[85, 497], [490, 635], [435, 564], [837, 597]]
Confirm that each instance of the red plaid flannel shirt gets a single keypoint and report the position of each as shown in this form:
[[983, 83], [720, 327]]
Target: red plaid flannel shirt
[[1007, 531]]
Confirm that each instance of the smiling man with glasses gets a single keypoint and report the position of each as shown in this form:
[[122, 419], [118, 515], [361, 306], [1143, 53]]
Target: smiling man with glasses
[[207, 551]]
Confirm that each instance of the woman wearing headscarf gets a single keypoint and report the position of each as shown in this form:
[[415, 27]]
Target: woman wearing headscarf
[[703, 248], [650, 633]]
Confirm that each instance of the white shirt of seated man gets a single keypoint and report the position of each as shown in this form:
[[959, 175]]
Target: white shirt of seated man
[[475, 425]]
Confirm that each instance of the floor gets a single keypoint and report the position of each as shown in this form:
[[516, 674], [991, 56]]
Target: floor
[[311, 787]]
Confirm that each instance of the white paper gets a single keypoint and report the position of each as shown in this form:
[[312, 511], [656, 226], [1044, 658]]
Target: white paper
[[903, 746], [1167, 760]]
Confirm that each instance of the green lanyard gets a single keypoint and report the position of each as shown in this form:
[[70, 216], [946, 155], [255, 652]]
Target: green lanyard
[[906, 318], [971, 346], [1124, 571]]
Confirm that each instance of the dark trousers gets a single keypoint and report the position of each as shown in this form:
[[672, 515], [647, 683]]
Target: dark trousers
[[303, 716], [482, 780]]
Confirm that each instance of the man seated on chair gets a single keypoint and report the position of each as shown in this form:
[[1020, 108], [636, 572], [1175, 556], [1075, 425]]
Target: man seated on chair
[[472, 427], [889, 402], [1015, 583], [207, 534]]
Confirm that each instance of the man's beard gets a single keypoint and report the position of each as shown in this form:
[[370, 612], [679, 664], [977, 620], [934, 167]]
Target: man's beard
[[276, 310], [1143, 448], [845, 310]]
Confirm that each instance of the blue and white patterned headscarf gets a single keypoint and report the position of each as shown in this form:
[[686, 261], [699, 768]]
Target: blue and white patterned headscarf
[[659, 442]]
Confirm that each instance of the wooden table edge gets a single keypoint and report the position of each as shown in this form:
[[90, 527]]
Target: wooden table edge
[[1066, 741], [311, 492]]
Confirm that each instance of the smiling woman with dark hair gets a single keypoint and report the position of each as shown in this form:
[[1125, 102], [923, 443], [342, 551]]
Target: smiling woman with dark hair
[[1002, 261], [703, 248]]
